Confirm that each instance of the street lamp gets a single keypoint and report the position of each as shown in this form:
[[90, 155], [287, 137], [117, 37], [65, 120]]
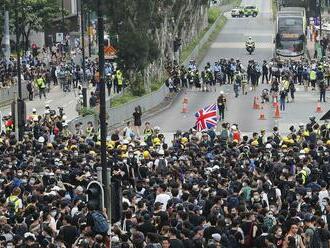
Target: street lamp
[[84, 89], [106, 176], [19, 111]]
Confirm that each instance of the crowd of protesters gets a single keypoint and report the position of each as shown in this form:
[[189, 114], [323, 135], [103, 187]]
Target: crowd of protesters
[[197, 189], [45, 70]]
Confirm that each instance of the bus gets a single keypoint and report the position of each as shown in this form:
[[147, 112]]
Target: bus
[[290, 34], [296, 11]]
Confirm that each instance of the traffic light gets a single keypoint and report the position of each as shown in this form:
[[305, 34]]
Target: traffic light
[[95, 195], [177, 44]]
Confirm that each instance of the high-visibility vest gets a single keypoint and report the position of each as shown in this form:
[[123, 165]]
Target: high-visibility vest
[[41, 83], [312, 75], [119, 77]]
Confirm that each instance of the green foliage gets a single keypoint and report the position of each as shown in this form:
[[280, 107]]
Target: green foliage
[[87, 111], [213, 14], [156, 85], [33, 15], [125, 98], [137, 85]]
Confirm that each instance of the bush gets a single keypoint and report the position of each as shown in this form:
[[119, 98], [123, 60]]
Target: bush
[[213, 14], [137, 86], [87, 111]]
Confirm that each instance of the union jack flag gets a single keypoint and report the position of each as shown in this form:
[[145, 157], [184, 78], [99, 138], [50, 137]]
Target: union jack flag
[[206, 118]]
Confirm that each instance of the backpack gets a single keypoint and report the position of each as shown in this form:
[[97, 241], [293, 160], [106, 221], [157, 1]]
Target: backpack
[[161, 168], [232, 201], [272, 196], [268, 222], [224, 135], [315, 241], [101, 225], [229, 240]]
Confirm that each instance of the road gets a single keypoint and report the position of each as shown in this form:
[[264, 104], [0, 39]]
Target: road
[[230, 44]]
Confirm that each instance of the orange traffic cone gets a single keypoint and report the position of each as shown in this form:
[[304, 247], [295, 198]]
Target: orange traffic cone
[[262, 115], [255, 105], [277, 111], [185, 104], [318, 108], [274, 101], [258, 103]]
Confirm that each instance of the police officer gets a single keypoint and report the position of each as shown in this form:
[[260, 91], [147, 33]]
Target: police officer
[[264, 72], [221, 105]]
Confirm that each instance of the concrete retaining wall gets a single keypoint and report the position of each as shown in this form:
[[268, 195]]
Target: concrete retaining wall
[[124, 112]]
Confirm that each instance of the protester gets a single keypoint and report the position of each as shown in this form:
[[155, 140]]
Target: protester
[[199, 189]]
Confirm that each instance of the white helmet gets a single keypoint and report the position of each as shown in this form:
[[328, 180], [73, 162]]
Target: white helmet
[[34, 110]]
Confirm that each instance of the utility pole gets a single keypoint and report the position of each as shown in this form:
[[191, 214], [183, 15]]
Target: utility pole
[[63, 23], [84, 89], [103, 125], [20, 105], [89, 34]]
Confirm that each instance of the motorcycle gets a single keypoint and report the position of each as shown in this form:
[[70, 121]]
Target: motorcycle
[[250, 49]]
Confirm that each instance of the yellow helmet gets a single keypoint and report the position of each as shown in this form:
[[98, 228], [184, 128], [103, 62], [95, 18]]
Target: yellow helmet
[[306, 133], [156, 140], [146, 154], [306, 150], [328, 142], [184, 140], [255, 143]]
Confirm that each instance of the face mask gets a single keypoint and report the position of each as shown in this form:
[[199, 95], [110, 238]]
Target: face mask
[[24, 181], [53, 213], [20, 174], [279, 233], [131, 155], [256, 198], [32, 181], [75, 153], [125, 161]]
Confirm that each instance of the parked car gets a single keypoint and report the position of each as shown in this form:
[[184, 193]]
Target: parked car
[[250, 10], [237, 12]]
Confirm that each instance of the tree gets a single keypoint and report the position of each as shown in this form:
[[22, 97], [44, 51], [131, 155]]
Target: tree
[[33, 15]]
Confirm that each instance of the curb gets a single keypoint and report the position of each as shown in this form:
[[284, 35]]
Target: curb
[[150, 113]]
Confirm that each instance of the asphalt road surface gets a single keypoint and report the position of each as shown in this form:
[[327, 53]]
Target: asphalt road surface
[[230, 44]]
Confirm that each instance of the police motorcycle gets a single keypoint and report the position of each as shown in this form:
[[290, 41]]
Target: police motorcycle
[[250, 45]]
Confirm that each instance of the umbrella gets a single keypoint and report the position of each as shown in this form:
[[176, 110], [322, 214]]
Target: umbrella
[[326, 116]]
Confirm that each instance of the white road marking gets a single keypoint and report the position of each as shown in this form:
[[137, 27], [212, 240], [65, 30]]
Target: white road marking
[[235, 45]]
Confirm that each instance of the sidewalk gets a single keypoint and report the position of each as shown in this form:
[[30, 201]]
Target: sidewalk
[[56, 98]]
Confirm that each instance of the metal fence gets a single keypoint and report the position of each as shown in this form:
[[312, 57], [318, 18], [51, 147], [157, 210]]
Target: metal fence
[[8, 94]]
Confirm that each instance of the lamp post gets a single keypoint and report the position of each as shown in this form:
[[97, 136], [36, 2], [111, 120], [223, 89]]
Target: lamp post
[[20, 105], [103, 126], [84, 89]]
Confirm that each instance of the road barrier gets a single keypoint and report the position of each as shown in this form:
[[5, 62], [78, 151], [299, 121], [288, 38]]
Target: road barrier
[[7, 94]]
